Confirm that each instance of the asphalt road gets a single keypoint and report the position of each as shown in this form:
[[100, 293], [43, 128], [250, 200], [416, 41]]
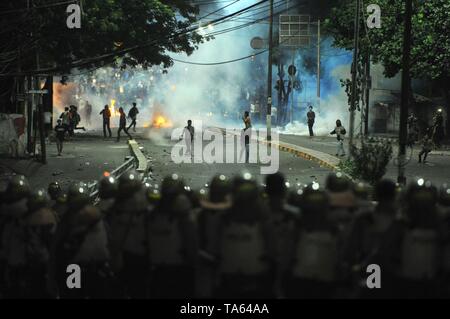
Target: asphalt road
[[87, 156], [437, 168], [158, 147], [84, 159]]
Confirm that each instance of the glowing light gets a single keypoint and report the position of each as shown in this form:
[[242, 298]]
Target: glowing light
[[81, 190], [113, 110], [222, 177], [315, 186], [161, 122], [420, 182], [287, 184], [202, 191], [175, 177], [247, 176], [111, 180], [206, 185], [121, 89]]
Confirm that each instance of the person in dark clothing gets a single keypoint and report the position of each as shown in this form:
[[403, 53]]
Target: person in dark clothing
[[88, 112], [123, 125], [427, 147], [438, 128], [132, 114], [60, 131], [311, 118], [247, 135], [106, 113], [65, 117]]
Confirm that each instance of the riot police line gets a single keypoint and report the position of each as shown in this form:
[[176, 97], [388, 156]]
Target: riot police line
[[234, 239]]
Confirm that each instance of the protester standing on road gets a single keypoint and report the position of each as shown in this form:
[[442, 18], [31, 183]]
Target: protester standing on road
[[188, 133], [246, 133], [132, 114], [123, 125], [339, 130], [106, 113], [311, 118], [438, 128], [88, 112], [60, 131], [427, 147], [65, 117]]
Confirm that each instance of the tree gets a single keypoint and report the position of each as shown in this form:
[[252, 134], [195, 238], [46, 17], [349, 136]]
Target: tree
[[116, 32], [430, 50]]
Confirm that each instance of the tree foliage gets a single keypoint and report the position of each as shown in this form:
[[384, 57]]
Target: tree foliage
[[369, 163], [430, 50], [136, 31]]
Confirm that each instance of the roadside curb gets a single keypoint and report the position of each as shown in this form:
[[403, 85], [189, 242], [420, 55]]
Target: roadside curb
[[323, 159]]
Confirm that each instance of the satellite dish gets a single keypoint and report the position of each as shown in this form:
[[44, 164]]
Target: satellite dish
[[257, 43]]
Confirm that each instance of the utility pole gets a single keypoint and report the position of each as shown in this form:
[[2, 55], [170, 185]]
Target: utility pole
[[318, 62], [354, 71], [269, 75], [367, 101], [406, 85], [37, 98]]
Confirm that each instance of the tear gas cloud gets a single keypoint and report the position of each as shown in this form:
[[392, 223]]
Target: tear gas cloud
[[218, 94]]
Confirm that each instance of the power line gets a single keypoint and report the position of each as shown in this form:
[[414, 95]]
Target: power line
[[218, 10], [122, 52]]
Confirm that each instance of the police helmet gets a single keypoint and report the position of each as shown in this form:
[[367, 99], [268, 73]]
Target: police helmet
[[37, 199], [219, 188], [17, 189], [78, 195], [129, 183], [54, 190], [107, 187], [337, 182]]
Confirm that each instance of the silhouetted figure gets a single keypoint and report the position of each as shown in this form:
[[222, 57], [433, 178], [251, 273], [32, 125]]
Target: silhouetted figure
[[60, 131], [132, 114], [427, 147], [88, 112], [106, 113], [189, 133], [123, 125], [339, 131], [247, 134], [311, 116]]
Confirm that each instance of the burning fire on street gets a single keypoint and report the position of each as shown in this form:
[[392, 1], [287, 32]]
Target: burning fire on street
[[159, 121]]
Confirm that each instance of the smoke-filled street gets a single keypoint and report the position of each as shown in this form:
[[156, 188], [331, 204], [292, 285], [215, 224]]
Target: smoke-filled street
[[205, 150]]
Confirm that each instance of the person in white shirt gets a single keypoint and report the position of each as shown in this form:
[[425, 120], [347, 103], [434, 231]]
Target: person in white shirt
[[340, 131]]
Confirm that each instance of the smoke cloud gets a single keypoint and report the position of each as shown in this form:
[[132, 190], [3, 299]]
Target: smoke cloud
[[216, 94]]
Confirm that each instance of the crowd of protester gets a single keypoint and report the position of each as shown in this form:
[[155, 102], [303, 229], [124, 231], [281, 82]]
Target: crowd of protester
[[232, 239]]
